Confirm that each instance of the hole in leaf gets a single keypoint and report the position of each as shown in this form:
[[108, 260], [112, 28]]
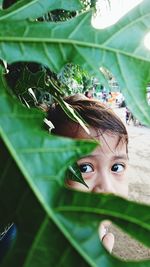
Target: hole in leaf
[[126, 247], [147, 41], [148, 94], [29, 82], [8, 3]]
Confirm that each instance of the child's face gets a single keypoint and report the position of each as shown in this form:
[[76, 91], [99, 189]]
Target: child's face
[[104, 170]]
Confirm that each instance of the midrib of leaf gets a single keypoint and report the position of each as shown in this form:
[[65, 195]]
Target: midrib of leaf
[[48, 56], [46, 150], [62, 52], [3, 175], [100, 211], [21, 115], [36, 240], [72, 42], [62, 259]]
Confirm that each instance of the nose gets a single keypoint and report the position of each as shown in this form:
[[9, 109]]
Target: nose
[[104, 184]]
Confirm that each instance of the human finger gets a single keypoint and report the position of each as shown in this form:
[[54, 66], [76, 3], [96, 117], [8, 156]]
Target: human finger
[[108, 241], [106, 237]]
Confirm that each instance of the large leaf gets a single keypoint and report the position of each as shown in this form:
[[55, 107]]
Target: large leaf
[[43, 160], [39, 241], [55, 44], [57, 226]]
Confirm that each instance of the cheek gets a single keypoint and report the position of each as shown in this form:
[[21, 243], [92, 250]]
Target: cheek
[[122, 188], [77, 186], [126, 185], [125, 191], [80, 187], [121, 184]]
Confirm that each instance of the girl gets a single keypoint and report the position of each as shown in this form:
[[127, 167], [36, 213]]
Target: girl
[[104, 170]]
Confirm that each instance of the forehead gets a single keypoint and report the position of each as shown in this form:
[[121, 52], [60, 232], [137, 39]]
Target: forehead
[[109, 143]]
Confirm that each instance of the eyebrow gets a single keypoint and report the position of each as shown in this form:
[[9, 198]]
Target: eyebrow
[[115, 157], [122, 156]]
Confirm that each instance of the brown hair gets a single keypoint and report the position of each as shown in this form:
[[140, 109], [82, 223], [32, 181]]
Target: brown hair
[[94, 113]]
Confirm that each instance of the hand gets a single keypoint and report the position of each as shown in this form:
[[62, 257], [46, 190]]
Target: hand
[[106, 237]]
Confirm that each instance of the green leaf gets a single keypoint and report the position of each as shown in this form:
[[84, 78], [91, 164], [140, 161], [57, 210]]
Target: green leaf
[[75, 116], [74, 174], [35, 8], [55, 44], [39, 241], [57, 226]]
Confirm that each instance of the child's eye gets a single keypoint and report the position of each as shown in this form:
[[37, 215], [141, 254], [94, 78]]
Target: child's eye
[[117, 167], [85, 168]]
